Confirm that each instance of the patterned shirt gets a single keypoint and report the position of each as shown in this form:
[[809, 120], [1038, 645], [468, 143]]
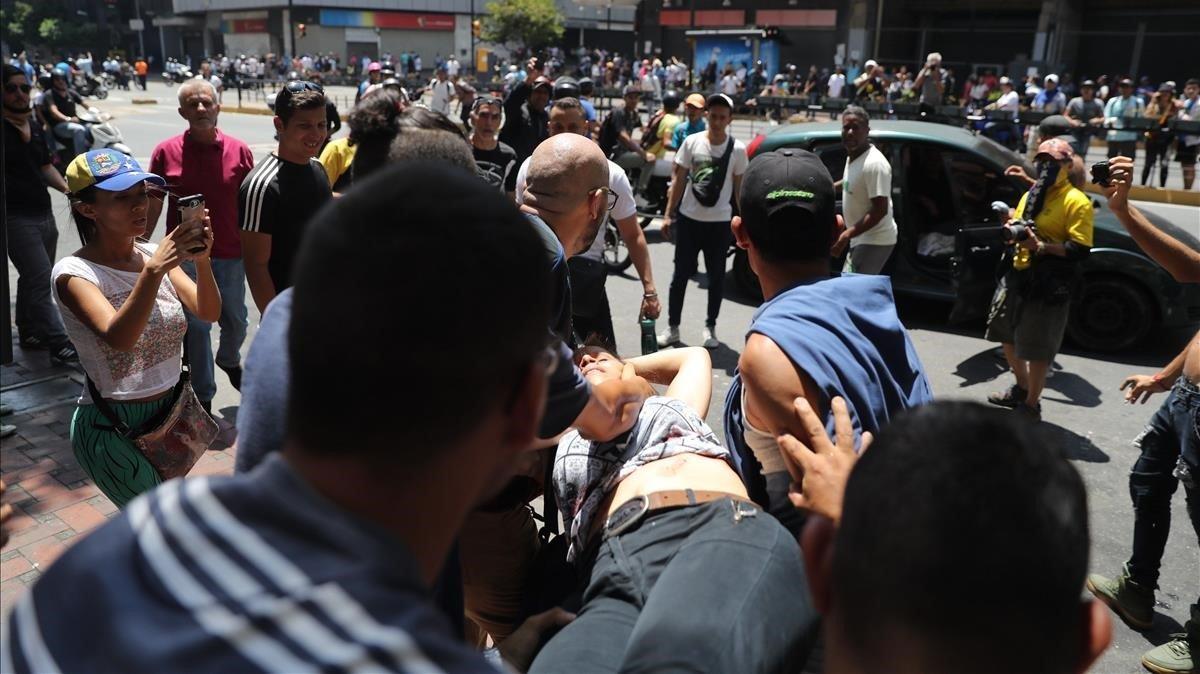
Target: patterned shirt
[[586, 472]]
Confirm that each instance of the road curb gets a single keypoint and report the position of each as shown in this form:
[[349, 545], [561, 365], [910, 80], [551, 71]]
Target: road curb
[[249, 111], [1162, 196]]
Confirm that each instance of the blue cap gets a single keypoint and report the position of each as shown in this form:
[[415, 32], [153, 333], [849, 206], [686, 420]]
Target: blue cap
[[108, 170]]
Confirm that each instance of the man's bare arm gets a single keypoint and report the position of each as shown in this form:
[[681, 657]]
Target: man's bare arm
[[256, 254], [1178, 259]]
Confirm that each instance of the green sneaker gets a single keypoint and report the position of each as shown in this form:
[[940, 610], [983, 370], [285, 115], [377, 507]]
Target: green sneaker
[[1133, 602], [1173, 657]]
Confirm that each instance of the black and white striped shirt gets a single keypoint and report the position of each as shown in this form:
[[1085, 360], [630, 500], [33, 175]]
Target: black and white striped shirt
[[277, 198]]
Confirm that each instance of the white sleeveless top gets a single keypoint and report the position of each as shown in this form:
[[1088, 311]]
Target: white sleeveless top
[[152, 365]]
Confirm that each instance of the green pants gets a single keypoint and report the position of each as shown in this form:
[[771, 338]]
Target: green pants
[[114, 463]]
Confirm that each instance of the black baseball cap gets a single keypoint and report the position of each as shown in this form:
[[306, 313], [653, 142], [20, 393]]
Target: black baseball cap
[[719, 100], [787, 178]]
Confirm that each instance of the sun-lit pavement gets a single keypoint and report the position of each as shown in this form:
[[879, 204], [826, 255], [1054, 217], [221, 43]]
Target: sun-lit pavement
[[57, 504]]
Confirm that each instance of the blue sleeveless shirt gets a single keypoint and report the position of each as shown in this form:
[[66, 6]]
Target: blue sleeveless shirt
[[844, 333]]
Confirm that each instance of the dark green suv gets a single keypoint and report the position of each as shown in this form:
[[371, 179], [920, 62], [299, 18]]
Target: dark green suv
[[944, 181]]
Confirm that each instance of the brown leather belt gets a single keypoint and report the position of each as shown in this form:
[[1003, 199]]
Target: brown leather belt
[[635, 509]]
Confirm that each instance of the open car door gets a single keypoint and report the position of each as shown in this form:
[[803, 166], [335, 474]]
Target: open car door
[[977, 252]]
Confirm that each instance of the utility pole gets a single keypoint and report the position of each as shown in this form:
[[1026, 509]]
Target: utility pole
[[291, 19]]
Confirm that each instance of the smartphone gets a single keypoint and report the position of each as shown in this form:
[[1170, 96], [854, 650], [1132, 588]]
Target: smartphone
[[191, 210]]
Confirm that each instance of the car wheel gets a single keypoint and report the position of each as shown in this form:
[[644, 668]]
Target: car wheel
[[1110, 314], [744, 277]]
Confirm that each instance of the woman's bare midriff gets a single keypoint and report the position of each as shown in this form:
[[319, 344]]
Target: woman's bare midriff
[[684, 471]]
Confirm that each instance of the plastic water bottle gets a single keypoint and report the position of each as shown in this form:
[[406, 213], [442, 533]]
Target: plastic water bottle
[[649, 340]]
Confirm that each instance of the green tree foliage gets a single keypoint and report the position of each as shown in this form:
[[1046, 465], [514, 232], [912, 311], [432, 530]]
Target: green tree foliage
[[50, 24], [534, 24]]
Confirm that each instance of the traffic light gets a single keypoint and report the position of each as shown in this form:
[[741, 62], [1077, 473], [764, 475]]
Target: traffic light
[[476, 27], [303, 29]]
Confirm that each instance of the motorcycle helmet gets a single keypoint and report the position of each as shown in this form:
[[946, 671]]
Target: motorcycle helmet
[[586, 86], [565, 87], [293, 76], [59, 71], [671, 100]]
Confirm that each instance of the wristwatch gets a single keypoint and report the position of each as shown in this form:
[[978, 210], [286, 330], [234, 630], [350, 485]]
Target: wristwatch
[[1041, 248]]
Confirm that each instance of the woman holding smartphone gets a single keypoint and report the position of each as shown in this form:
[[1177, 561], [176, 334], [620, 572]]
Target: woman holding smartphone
[[122, 302]]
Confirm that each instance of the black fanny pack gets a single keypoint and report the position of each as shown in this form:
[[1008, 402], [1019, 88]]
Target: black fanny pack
[[706, 186]]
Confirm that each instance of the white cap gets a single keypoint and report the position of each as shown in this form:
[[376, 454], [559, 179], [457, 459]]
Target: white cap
[[1005, 80], [1052, 78], [870, 63]]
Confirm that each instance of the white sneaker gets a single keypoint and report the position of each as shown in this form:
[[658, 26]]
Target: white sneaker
[[669, 336], [709, 338]]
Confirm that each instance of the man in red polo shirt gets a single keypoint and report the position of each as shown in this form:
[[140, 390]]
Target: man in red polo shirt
[[202, 160]]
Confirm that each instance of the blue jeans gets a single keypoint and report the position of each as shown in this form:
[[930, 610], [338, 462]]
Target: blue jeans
[[231, 281], [32, 241], [1170, 448], [716, 587], [74, 132]]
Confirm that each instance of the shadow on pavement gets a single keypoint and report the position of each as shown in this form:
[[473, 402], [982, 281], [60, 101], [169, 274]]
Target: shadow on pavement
[[1076, 447], [1078, 391], [1164, 627]]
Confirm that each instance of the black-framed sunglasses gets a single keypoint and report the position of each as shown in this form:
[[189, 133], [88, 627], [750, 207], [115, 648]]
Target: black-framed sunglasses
[[13, 87], [296, 86], [612, 196]]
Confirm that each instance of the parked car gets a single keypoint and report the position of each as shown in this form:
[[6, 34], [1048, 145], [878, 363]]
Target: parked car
[[944, 180]]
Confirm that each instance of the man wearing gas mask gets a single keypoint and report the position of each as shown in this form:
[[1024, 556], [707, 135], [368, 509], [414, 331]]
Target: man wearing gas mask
[[1049, 235]]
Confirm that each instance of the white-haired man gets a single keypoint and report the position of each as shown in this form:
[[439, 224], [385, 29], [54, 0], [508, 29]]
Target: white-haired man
[[204, 161], [931, 82]]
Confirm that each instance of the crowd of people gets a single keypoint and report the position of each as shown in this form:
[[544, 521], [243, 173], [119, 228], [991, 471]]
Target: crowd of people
[[380, 516]]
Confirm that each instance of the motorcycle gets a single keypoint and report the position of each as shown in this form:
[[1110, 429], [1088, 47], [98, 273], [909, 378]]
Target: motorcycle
[[178, 77], [89, 86], [102, 133], [651, 204]]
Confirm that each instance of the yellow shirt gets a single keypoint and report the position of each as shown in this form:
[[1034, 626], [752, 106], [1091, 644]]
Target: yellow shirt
[[666, 128], [1066, 216], [336, 158]]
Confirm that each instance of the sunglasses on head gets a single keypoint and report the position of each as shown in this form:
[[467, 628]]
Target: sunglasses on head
[[486, 100], [296, 86], [13, 87]]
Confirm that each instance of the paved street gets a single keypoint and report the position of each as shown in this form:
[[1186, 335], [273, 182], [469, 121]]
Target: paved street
[[1082, 406]]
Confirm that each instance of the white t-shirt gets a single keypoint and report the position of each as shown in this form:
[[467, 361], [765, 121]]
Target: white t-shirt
[[152, 365], [452, 67], [1010, 101], [729, 85], [866, 177], [837, 82], [696, 155], [618, 182], [441, 93]]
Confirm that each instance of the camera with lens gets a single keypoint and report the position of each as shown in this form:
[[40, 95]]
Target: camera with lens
[[1100, 173], [1017, 231]]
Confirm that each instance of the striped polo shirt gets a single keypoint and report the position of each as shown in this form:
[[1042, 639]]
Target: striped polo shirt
[[250, 573]]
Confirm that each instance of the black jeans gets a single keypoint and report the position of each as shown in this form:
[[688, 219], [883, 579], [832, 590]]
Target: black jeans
[[590, 313], [716, 587], [1156, 151], [693, 237], [1170, 455]]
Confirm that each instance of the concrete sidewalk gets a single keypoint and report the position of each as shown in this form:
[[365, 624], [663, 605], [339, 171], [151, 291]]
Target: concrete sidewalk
[[55, 503]]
